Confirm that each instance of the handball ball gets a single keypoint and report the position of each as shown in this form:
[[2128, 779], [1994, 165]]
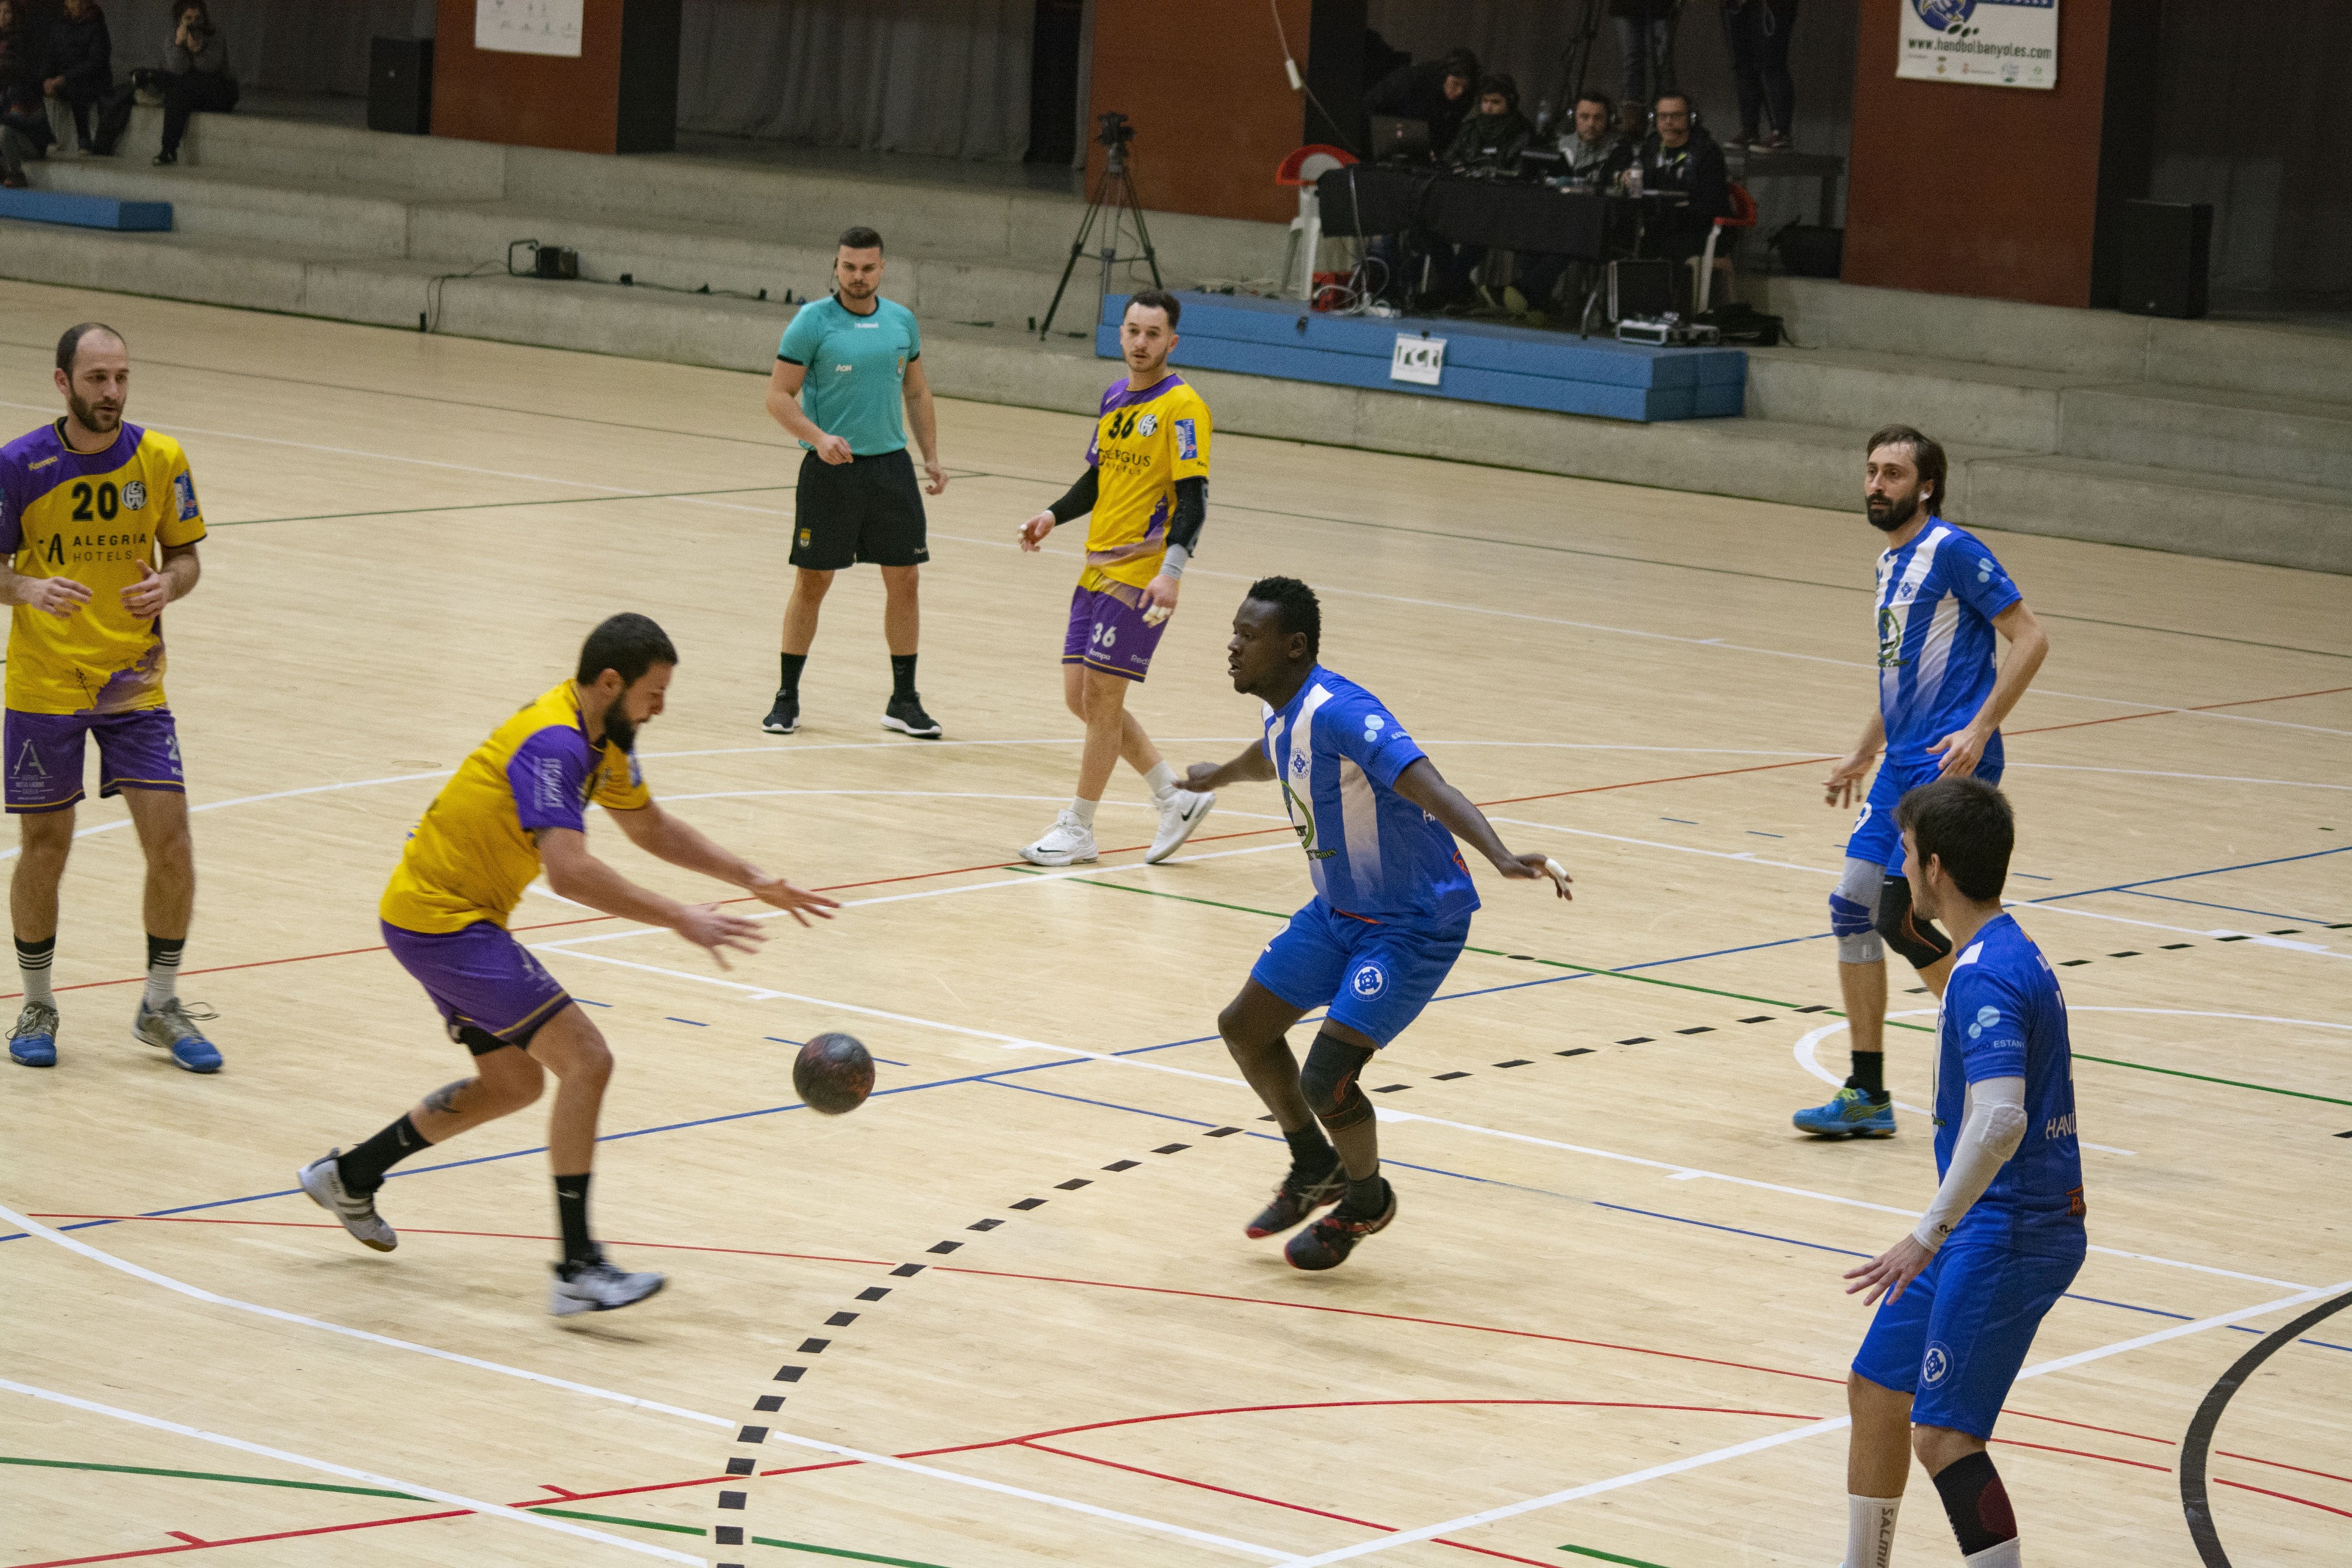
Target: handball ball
[[833, 1074]]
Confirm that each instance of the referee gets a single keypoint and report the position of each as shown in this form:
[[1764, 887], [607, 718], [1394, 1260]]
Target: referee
[[843, 369]]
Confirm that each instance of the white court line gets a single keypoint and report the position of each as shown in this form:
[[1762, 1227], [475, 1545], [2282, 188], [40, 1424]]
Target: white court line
[[2156, 773], [34, 1227], [489, 1510], [1796, 1433], [1806, 1059], [1749, 857]]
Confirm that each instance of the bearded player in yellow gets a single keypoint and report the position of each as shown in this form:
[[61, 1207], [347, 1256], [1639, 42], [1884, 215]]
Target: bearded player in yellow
[[99, 525], [1147, 484], [518, 804]]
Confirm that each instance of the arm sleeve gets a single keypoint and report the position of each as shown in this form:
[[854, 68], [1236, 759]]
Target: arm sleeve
[[622, 784], [1994, 1127], [183, 520], [1184, 526], [546, 774], [1368, 735], [802, 336], [1079, 498], [1978, 582]]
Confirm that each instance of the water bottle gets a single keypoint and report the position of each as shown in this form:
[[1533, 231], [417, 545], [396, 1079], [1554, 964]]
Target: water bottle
[[1543, 116]]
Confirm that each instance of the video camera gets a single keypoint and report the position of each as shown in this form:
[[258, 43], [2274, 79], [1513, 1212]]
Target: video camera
[[1116, 130]]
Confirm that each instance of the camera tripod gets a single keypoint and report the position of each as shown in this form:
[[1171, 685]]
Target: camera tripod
[[1114, 195]]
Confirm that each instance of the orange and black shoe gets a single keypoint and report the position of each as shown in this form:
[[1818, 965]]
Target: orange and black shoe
[[1299, 1195], [1326, 1242]]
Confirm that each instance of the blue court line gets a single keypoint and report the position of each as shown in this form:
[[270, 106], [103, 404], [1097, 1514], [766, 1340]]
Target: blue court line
[[2217, 870], [2235, 908]]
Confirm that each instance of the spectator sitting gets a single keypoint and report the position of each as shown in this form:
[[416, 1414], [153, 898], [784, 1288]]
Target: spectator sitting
[[1681, 156], [23, 128], [1436, 92], [1491, 140], [77, 64], [1596, 155], [198, 78]]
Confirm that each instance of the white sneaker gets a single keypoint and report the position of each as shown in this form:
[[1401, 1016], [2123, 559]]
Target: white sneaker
[[322, 1178], [1180, 814], [1068, 842], [600, 1288]]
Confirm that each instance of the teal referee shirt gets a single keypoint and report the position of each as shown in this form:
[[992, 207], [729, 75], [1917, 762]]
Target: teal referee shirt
[[857, 371]]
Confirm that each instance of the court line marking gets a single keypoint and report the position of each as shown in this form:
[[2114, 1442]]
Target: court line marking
[[1231, 576], [34, 1227], [430, 1494], [1814, 1429]]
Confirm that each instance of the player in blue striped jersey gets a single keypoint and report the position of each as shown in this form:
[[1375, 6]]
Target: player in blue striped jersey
[[1391, 910], [1942, 598]]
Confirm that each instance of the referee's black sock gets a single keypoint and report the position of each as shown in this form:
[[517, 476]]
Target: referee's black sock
[[902, 677], [791, 662], [362, 1168], [1869, 1074], [571, 1210]]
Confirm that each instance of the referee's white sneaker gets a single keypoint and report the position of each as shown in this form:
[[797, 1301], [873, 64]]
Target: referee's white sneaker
[[1068, 842], [1180, 814]]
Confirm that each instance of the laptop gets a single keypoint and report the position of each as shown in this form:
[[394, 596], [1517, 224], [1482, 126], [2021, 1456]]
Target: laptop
[[1394, 136]]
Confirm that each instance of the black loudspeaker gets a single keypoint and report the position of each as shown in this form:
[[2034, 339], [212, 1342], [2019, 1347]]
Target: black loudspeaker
[[2164, 251], [400, 85]]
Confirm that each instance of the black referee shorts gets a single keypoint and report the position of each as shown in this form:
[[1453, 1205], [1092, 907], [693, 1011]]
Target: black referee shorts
[[867, 510]]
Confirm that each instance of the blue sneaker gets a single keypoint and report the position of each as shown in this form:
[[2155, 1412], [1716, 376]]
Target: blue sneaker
[[33, 1041], [173, 1028], [1849, 1114]]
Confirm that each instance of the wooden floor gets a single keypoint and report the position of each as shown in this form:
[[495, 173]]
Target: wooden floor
[[1608, 1325]]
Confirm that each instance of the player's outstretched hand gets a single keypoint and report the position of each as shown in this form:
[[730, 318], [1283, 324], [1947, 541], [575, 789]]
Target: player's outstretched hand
[[1033, 532], [1891, 1271], [1960, 750], [145, 598], [60, 596], [713, 929], [1202, 775], [797, 903], [1524, 867], [1846, 778], [834, 449]]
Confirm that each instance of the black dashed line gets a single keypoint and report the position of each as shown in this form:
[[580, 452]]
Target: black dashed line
[[1449, 1077], [1759, 1018], [1637, 1040], [2072, 963], [1221, 1133], [1172, 1148], [874, 1292], [944, 1246], [753, 1434], [1028, 1204], [1701, 1029], [790, 1373], [984, 1224], [814, 1347], [907, 1270], [1391, 1087], [1516, 1062], [768, 1402], [740, 1464], [731, 1500], [1122, 1166], [1072, 1185], [1575, 1051], [841, 1320]]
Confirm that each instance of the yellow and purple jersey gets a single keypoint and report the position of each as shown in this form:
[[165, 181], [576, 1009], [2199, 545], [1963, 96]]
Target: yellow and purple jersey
[[473, 855], [1143, 443], [96, 518]]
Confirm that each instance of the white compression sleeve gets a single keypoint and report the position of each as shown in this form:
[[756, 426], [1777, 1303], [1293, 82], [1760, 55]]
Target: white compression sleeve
[[1992, 1128]]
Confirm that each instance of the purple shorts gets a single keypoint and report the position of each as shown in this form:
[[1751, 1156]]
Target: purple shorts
[[1108, 633], [139, 750], [490, 990]]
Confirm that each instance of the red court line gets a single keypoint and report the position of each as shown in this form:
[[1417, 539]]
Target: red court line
[[1277, 1502], [2289, 1496], [2085, 1454], [2325, 1475]]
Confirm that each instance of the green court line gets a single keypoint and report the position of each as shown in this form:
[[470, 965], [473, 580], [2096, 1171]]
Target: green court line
[[2202, 1077], [1735, 996], [498, 505], [209, 1476], [1610, 1557], [837, 1551]]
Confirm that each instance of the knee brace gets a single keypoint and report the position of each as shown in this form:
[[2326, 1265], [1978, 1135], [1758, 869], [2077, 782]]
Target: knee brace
[[1328, 1081], [1853, 903], [1913, 936]]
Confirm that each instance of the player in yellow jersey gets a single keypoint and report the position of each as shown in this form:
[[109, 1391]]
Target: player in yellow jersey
[[520, 802], [1147, 484], [98, 524]]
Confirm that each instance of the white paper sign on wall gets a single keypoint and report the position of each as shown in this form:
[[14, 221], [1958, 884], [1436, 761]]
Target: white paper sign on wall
[[1985, 43], [529, 27], [1416, 359]]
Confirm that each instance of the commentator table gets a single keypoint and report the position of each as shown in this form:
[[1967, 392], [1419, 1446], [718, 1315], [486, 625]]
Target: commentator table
[[1501, 214]]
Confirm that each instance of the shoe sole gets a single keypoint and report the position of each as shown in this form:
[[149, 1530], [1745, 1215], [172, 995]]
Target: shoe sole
[[780, 729], [906, 728], [1065, 861], [571, 1307], [1850, 1133], [301, 1181], [21, 1062], [1190, 822]]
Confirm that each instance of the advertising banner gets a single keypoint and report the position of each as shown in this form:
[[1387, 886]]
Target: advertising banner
[[1987, 42]]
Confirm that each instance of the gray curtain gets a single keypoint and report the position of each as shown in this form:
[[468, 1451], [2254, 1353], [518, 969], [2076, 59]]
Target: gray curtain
[[949, 78]]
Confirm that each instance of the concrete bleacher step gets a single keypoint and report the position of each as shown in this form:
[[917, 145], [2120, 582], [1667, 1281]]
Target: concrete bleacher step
[[2287, 440], [2150, 508], [1960, 401]]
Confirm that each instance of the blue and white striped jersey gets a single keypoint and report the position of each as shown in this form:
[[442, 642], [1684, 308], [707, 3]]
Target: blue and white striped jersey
[[1337, 753], [1937, 596]]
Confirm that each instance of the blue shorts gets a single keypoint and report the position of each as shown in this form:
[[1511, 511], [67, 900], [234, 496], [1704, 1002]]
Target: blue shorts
[[1875, 839], [489, 988], [1960, 1333], [1376, 976]]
